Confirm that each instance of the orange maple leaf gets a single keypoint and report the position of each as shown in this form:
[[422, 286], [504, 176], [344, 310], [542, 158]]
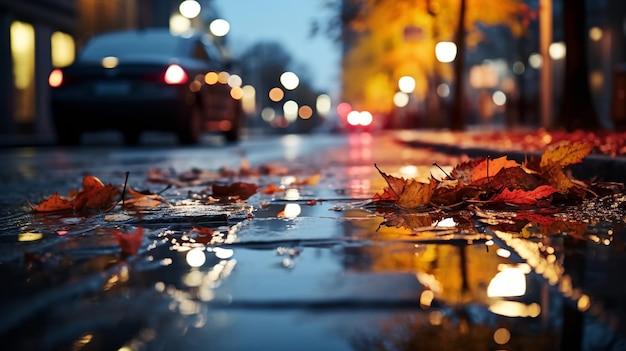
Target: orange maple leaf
[[238, 190], [129, 243], [271, 189], [94, 195], [51, 204], [523, 197], [140, 200], [490, 167], [409, 193], [393, 191]]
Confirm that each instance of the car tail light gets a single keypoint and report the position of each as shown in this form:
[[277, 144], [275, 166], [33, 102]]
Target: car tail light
[[356, 118], [175, 75], [55, 79]]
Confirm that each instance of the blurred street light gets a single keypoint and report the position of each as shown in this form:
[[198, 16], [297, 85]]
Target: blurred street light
[[323, 105], [190, 8], [401, 99], [289, 80], [179, 23], [557, 50], [219, 27], [445, 51], [406, 84]]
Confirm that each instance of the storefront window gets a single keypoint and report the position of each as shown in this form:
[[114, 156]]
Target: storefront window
[[63, 50], [23, 54]]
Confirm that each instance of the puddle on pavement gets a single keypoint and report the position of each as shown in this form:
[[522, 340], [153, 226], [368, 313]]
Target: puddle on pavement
[[325, 273]]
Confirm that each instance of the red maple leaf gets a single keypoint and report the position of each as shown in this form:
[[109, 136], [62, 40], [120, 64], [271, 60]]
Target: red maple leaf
[[523, 197], [129, 243]]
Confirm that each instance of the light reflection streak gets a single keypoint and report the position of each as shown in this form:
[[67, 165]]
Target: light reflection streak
[[507, 283], [195, 257]]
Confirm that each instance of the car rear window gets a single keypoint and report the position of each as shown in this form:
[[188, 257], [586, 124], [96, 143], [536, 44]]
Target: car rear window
[[132, 45]]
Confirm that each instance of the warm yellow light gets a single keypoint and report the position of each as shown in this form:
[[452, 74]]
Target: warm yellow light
[[445, 51], [190, 8], [305, 112], [289, 80], [219, 27], [400, 99], [290, 110], [30, 236], [179, 24], [22, 50], [236, 93], [595, 33], [63, 49], [509, 282], [210, 78], [292, 210], [276, 94], [406, 84], [223, 77], [557, 50], [323, 105], [502, 336], [248, 101], [110, 62]]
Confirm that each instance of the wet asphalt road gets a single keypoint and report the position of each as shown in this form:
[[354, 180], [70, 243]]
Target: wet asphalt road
[[312, 268]]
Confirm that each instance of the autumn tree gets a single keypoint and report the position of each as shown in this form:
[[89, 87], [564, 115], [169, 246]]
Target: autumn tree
[[398, 37]]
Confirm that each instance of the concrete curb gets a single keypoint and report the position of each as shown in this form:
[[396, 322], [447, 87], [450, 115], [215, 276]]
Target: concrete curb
[[597, 167]]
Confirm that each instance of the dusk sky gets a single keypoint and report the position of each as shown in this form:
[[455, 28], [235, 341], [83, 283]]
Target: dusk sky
[[287, 22]]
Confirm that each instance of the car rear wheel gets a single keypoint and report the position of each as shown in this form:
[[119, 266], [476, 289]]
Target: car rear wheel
[[189, 133]]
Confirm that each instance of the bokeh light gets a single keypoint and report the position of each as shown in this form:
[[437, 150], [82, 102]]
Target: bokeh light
[[557, 50], [400, 99], [290, 110], [445, 51], [276, 94], [323, 105], [289, 80], [219, 27], [406, 84], [190, 8]]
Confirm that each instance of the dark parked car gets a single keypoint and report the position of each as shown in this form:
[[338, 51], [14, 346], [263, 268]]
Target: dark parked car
[[146, 79]]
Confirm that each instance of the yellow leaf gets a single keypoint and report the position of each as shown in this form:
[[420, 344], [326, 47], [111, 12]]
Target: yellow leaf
[[415, 194], [565, 154], [558, 179]]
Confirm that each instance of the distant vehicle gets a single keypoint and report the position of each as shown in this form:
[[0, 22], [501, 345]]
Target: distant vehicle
[[146, 79]]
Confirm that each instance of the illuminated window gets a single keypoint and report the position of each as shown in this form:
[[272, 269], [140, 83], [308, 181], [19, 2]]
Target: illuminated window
[[23, 54], [62, 45]]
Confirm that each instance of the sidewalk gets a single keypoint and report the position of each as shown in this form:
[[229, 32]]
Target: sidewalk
[[606, 163]]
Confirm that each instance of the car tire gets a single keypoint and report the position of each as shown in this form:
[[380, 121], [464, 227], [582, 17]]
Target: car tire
[[189, 133]]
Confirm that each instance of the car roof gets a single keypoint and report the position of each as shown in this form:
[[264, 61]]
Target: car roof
[[149, 42]]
